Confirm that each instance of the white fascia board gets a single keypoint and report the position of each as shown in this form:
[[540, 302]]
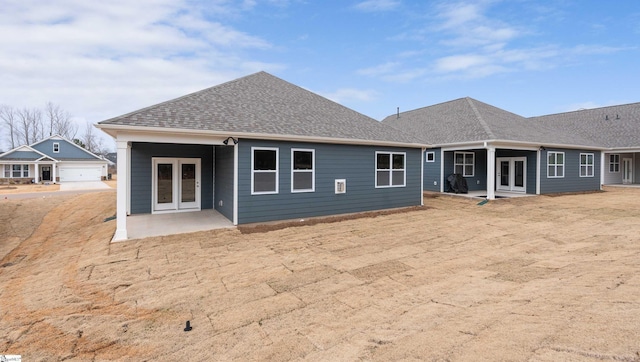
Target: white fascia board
[[622, 150], [78, 162], [506, 144], [134, 134]]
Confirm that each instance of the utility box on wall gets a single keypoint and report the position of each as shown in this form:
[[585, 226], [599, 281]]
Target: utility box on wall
[[341, 186]]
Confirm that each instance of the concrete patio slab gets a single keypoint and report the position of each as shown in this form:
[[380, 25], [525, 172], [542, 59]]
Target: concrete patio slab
[[148, 225]]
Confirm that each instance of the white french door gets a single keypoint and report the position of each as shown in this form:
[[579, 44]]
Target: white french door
[[511, 174], [176, 184], [627, 170]]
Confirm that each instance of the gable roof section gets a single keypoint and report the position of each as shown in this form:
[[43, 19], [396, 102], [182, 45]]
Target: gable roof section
[[468, 120], [611, 127], [68, 151], [22, 153], [262, 104]]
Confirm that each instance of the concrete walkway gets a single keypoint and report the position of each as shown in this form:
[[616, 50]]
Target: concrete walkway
[[83, 185]]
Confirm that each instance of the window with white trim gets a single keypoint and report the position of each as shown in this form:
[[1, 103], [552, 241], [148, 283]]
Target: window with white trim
[[17, 171], [430, 157], [303, 170], [586, 165], [56, 147], [614, 163], [7, 171], [555, 164], [464, 163], [264, 171], [390, 169]]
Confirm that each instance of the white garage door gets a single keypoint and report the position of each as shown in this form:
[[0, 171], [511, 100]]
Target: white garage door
[[80, 174]]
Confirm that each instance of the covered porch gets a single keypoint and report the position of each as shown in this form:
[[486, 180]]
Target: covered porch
[[621, 167], [174, 183], [493, 170]]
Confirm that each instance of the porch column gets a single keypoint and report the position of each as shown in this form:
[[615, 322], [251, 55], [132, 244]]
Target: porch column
[[602, 160], [36, 179], [54, 171], [491, 173], [122, 192]]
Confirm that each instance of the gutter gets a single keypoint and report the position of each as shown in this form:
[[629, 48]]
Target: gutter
[[113, 131]]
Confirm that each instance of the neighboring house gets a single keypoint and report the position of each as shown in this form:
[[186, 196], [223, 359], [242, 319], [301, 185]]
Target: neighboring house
[[54, 159], [260, 149], [496, 150]]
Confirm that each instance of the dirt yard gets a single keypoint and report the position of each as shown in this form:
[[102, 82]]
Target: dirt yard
[[529, 279]]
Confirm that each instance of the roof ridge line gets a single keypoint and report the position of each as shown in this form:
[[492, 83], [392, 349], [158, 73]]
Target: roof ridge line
[[480, 119]]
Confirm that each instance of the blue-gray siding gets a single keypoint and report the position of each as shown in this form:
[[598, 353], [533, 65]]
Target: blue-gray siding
[[531, 165], [224, 181], [432, 178], [479, 179], [22, 155], [67, 151], [141, 171], [356, 164], [571, 182]]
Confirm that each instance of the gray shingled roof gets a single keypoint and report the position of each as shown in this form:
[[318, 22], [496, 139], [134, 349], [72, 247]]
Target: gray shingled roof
[[611, 127], [468, 120], [262, 104]]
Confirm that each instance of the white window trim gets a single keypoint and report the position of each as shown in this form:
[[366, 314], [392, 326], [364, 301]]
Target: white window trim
[[391, 169], [463, 164], [9, 168], [432, 154], [617, 163], [56, 147], [592, 166], [556, 164], [276, 171], [312, 171]]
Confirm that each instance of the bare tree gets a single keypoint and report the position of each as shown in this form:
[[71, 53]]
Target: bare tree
[[91, 141], [29, 125], [8, 117], [59, 121]]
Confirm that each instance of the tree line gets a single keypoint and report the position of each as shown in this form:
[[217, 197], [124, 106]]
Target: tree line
[[25, 126]]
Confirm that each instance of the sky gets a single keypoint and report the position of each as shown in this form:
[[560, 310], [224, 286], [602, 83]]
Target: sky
[[101, 59]]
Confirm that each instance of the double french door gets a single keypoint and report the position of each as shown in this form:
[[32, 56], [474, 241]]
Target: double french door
[[511, 174], [176, 184]]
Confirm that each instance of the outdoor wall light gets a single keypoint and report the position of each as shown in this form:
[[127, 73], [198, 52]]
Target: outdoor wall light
[[226, 142]]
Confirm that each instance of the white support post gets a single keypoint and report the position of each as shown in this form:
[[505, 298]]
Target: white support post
[[538, 163], [122, 192], [54, 171], [602, 161], [36, 179], [491, 173], [235, 183], [442, 179]]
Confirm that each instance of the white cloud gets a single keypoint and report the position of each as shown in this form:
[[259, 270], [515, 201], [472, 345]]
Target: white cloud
[[379, 70], [344, 95], [100, 59], [377, 5]]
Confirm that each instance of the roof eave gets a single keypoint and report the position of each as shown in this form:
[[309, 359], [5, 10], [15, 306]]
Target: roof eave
[[494, 142], [113, 130]]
